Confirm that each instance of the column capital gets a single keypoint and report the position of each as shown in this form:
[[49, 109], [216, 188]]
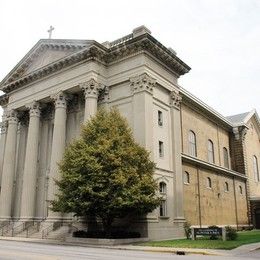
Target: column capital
[[12, 117], [60, 99], [175, 99], [34, 109], [142, 82], [90, 88]]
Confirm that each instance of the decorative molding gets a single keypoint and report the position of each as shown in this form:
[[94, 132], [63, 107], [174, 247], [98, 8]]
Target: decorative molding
[[143, 82], [34, 109], [91, 88], [175, 99], [91, 53], [96, 51], [12, 117], [210, 166], [60, 100], [240, 132], [199, 106]]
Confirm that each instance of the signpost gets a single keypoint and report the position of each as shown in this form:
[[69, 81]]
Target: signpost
[[208, 232]]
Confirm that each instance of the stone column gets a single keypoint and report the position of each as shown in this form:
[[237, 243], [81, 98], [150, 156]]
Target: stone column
[[30, 166], [175, 102], [8, 167], [142, 87], [3, 126], [58, 147], [91, 89]]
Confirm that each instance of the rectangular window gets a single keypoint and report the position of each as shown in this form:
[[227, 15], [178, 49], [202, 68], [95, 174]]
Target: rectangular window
[[160, 118], [163, 209], [160, 148]]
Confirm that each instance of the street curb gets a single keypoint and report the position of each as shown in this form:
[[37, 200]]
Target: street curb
[[129, 248]]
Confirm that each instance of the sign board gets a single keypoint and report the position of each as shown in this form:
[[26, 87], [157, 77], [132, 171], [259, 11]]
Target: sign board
[[207, 231]]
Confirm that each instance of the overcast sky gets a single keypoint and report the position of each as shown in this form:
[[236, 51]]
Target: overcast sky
[[218, 39]]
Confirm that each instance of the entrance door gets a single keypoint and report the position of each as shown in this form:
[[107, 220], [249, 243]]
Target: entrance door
[[257, 218]]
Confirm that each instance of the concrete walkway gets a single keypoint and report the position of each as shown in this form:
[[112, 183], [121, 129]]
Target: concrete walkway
[[235, 252]]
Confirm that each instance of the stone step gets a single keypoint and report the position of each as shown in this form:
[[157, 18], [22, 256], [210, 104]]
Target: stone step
[[59, 234]]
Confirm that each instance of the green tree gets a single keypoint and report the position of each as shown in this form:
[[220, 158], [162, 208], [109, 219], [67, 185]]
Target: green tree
[[105, 173]]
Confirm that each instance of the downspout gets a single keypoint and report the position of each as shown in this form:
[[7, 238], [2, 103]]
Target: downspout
[[235, 198], [198, 180]]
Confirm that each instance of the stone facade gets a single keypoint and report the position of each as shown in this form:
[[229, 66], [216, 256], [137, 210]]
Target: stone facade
[[60, 84]]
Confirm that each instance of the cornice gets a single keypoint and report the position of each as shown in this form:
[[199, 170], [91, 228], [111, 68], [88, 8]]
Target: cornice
[[102, 54], [148, 43], [202, 108], [39, 47], [209, 166], [93, 52]]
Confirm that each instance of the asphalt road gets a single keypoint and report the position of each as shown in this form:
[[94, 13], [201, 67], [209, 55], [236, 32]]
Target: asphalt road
[[12, 250]]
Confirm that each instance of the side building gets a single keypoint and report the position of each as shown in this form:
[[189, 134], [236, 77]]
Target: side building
[[202, 170]]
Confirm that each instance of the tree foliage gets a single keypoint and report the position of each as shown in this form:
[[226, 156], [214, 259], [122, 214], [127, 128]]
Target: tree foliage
[[105, 173]]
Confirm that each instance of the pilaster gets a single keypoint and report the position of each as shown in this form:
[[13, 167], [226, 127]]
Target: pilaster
[[142, 87], [175, 103]]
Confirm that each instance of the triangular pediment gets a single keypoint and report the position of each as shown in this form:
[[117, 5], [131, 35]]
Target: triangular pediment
[[45, 52]]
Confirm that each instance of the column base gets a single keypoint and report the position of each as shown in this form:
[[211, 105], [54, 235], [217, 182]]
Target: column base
[[2, 219]]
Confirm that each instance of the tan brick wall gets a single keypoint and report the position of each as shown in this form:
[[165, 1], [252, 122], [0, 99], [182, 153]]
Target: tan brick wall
[[204, 130], [252, 144], [217, 205]]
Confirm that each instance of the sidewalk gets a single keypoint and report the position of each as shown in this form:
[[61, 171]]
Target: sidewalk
[[237, 251]]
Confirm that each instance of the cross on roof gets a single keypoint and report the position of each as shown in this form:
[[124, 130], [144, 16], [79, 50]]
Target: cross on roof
[[50, 31]]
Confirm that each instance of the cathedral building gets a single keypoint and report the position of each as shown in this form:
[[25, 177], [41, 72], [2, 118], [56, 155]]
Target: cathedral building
[[207, 165]]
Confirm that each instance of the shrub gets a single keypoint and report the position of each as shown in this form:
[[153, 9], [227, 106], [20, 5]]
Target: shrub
[[102, 234], [187, 230], [231, 233]]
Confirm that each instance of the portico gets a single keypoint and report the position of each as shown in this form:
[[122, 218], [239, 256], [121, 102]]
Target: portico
[[38, 143]]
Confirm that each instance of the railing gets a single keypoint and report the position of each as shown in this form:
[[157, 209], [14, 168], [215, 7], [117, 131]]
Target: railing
[[33, 229], [121, 40], [5, 225]]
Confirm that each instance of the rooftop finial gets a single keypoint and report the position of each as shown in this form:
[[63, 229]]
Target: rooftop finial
[[50, 31]]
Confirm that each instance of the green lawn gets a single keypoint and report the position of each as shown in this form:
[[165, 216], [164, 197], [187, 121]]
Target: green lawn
[[244, 237]]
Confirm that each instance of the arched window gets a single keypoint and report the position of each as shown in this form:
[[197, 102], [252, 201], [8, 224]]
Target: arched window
[[163, 205], [211, 151], [226, 186], [162, 187], [256, 170], [192, 144], [240, 189], [225, 157], [186, 178], [209, 183]]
